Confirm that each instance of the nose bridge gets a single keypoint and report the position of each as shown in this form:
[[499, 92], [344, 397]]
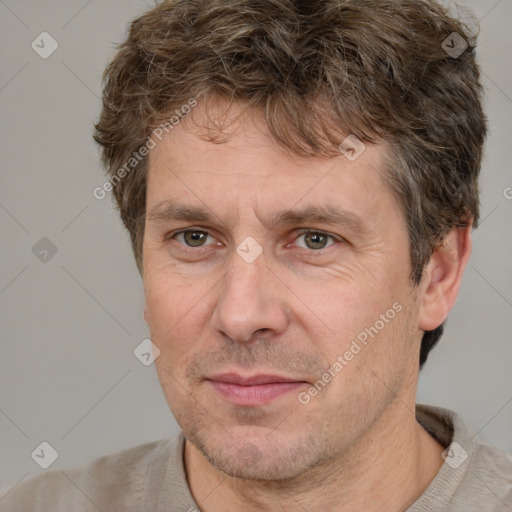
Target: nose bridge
[[249, 299]]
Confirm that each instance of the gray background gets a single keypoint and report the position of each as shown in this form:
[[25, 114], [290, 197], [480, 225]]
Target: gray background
[[68, 375]]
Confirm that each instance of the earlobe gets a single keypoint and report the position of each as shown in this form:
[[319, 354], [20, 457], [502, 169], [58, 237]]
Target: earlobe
[[443, 276]]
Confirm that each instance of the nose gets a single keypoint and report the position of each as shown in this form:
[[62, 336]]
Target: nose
[[251, 299]]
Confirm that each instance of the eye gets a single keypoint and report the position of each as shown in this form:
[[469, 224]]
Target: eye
[[190, 237], [315, 240], [194, 238]]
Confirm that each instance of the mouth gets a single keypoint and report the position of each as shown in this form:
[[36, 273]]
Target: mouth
[[255, 390]]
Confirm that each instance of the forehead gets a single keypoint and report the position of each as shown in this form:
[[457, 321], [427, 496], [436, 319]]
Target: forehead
[[216, 127], [245, 165]]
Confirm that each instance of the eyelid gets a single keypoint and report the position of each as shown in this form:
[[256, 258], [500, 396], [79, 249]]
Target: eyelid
[[173, 234], [304, 231]]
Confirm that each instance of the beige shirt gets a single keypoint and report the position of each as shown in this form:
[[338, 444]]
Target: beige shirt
[[151, 478]]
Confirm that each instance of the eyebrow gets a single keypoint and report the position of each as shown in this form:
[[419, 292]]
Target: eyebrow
[[321, 214]]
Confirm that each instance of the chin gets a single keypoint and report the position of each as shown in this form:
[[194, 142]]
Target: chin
[[258, 457]]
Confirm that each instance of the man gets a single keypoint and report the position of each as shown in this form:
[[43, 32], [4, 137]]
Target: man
[[299, 181]]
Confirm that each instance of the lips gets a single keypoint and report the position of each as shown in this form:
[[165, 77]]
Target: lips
[[254, 390], [233, 378]]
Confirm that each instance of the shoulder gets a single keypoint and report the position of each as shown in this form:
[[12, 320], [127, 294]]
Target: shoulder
[[491, 474], [474, 476], [111, 482]]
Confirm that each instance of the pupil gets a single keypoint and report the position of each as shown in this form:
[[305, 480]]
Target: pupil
[[194, 237], [316, 236]]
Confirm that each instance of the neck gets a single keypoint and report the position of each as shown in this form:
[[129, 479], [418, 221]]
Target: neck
[[387, 469]]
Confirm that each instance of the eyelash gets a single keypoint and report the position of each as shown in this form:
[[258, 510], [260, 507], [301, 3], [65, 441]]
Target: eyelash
[[301, 232]]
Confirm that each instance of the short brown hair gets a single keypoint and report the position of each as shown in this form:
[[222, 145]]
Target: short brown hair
[[318, 70]]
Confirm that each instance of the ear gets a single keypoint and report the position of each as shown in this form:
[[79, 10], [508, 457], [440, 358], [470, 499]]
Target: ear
[[146, 314], [443, 276]]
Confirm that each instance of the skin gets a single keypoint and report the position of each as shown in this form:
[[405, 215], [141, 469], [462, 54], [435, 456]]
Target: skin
[[299, 305]]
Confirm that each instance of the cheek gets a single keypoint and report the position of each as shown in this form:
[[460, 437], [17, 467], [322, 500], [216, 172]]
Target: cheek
[[343, 308], [177, 314]]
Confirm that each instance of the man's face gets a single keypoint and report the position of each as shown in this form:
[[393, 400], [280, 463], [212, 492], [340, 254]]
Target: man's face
[[245, 294]]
